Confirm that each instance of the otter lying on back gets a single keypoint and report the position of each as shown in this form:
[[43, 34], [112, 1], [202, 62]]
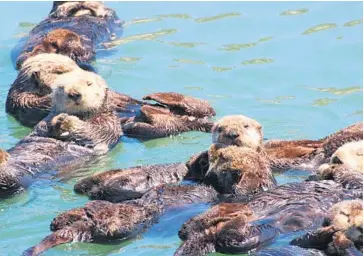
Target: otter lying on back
[[282, 155], [240, 226], [341, 233], [79, 127], [100, 220], [29, 99], [73, 29], [239, 170]]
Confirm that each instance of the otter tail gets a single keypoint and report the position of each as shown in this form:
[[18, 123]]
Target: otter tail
[[197, 246], [50, 241]]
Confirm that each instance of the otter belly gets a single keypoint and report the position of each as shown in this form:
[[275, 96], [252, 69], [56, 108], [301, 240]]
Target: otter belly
[[33, 156]]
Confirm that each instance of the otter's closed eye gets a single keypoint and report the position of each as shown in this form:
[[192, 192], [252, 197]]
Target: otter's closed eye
[[246, 126], [88, 83]]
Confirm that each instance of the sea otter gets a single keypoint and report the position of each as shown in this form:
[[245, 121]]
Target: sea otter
[[282, 155], [239, 170], [124, 184], [29, 98], [74, 29], [100, 220], [242, 225], [341, 233], [174, 113], [79, 127]]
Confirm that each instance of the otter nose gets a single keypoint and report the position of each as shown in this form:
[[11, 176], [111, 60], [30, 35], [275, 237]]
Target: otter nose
[[74, 96]]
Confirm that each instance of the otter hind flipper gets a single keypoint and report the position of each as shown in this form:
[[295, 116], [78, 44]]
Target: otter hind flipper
[[183, 105], [47, 243]]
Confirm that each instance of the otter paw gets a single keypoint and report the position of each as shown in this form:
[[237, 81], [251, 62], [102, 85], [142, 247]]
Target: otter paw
[[63, 124]]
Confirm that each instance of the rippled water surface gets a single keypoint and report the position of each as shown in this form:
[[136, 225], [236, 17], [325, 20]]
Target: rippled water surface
[[295, 67]]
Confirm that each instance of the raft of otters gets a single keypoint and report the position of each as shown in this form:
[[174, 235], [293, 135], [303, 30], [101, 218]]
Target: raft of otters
[[235, 173], [250, 209]]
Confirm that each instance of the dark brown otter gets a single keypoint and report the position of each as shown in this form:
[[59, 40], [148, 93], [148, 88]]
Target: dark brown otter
[[100, 220], [61, 9], [174, 113], [241, 226], [80, 127], [60, 41], [341, 233], [74, 29], [120, 185]]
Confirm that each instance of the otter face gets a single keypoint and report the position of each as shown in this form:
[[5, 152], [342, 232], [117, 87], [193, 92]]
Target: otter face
[[239, 131], [350, 154], [38, 73], [347, 214], [79, 92]]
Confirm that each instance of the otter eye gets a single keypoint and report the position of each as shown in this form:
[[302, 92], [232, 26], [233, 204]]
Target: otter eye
[[246, 126], [88, 83], [220, 129]]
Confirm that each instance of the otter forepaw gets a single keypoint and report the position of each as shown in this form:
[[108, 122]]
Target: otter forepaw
[[63, 124]]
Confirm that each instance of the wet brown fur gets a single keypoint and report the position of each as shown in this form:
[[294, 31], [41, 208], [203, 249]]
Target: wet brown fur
[[342, 231], [101, 220]]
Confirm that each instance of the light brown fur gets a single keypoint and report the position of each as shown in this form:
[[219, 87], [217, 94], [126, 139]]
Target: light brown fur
[[350, 154], [238, 169]]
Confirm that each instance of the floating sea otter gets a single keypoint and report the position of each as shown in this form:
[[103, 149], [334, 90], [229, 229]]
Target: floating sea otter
[[342, 231], [239, 170], [282, 155], [79, 127], [241, 226], [101, 220], [29, 101], [72, 28]]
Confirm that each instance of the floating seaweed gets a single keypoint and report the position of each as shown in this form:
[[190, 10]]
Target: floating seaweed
[[323, 102], [257, 61], [218, 17], [353, 23], [293, 12], [318, 28]]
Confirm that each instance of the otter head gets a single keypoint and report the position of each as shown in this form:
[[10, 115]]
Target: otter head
[[79, 92], [60, 41], [238, 170], [63, 9], [350, 154], [239, 131], [38, 73], [347, 217]]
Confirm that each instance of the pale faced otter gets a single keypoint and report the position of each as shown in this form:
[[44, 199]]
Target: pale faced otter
[[174, 113], [242, 226], [74, 29], [342, 231], [239, 170], [350, 154], [99, 220], [29, 98], [80, 127], [282, 155]]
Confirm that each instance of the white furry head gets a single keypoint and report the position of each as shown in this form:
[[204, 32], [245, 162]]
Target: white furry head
[[347, 214], [350, 154], [238, 130], [42, 70], [79, 92]]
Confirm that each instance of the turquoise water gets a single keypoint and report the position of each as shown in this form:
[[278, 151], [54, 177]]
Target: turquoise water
[[257, 59]]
